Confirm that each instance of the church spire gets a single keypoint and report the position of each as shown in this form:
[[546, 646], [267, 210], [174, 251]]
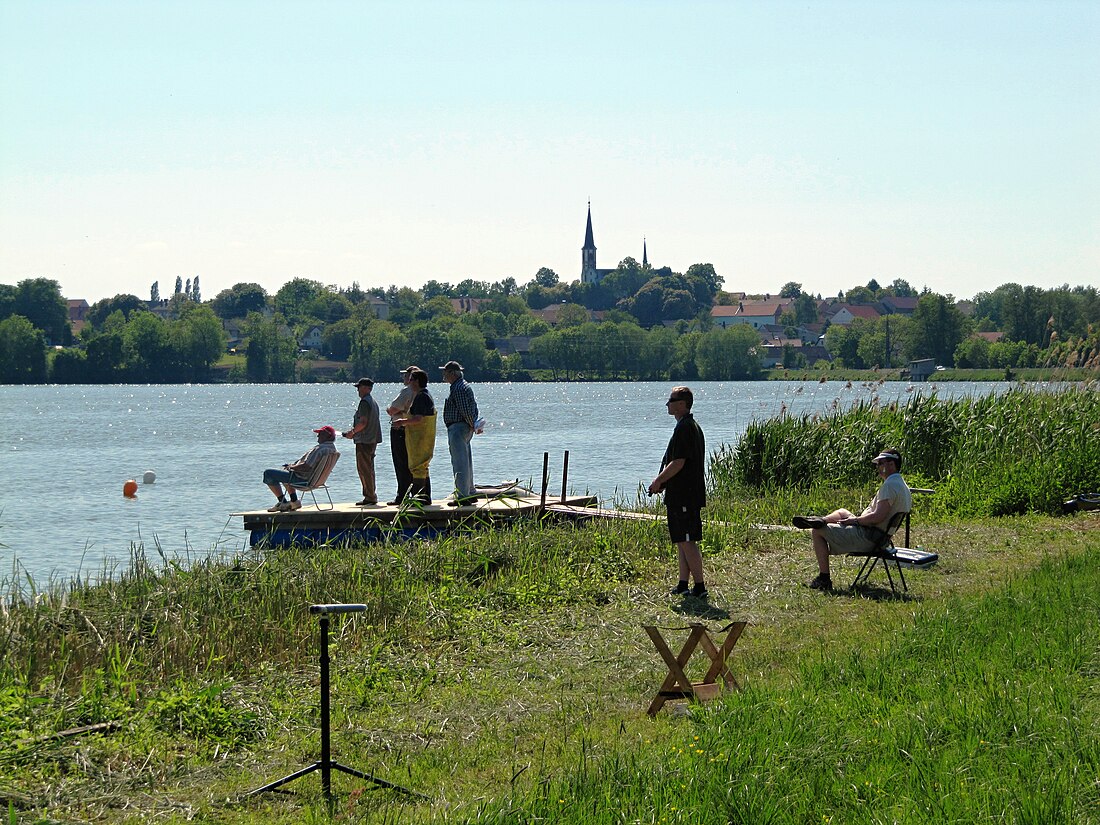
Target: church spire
[[588, 252], [645, 257]]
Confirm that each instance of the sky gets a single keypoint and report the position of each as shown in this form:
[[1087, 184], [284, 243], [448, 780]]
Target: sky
[[952, 144]]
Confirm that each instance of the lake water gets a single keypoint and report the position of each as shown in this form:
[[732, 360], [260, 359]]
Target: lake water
[[69, 449]]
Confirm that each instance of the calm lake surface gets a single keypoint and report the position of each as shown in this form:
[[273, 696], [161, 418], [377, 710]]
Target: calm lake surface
[[69, 449]]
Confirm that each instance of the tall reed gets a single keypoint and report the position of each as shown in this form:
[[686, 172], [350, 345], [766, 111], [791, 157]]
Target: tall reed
[[1023, 451]]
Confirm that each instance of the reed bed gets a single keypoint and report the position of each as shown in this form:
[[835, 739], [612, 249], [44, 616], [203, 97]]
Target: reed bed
[[1024, 451]]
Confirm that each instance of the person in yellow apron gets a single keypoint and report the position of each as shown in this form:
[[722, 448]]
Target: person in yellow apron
[[419, 428]]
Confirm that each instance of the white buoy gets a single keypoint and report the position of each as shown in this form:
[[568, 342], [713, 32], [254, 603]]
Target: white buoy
[[149, 477]]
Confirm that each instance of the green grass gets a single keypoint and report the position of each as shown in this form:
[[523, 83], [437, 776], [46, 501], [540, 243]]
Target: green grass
[[505, 673], [969, 711]]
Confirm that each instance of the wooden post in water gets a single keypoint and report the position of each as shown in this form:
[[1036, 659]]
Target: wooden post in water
[[545, 481], [564, 475]]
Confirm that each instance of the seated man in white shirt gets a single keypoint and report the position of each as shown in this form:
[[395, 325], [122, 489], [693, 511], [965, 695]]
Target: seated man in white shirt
[[841, 532]]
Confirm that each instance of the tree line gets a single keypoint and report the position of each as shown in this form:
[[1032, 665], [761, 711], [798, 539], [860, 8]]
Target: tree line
[[656, 324]]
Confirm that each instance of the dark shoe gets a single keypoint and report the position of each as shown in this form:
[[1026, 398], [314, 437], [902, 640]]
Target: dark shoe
[[808, 522], [699, 591], [679, 590], [461, 502], [822, 582], [366, 503], [395, 503]]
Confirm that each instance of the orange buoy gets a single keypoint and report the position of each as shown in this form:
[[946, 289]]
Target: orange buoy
[[129, 489]]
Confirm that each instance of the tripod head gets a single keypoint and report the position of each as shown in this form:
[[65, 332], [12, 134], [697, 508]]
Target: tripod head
[[326, 609]]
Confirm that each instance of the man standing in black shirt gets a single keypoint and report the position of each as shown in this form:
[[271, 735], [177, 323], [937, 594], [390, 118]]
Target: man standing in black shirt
[[682, 481]]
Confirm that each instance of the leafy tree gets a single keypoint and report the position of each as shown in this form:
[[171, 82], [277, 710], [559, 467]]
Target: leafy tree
[[873, 287], [239, 300], [39, 300], [270, 356], [428, 346], [328, 307], [973, 353], [626, 279], [337, 339], [179, 285], [198, 341], [900, 288], [492, 323], [657, 353], [294, 296], [467, 346], [196, 296], [805, 310], [146, 348], [937, 329], [127, 304], [380, 348], [154, 293], [729, 354], [105, 359], [22, 351], [546, 278], [7, 300], [842, 342], [790, 289], [571, 315], [683, 365], [70, 366], [711, 278], [860, 295], [436, 289], [434, 308]]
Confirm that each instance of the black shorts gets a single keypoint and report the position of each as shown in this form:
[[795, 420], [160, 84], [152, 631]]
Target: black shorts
[[684, 524]]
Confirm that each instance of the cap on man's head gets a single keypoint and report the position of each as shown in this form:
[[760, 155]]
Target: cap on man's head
[[364, 382], [326, 430], [410, 368], [452, 366], [889, 454]]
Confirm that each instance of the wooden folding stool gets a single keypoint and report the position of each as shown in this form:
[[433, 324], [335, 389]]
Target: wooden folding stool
[[677, 685]]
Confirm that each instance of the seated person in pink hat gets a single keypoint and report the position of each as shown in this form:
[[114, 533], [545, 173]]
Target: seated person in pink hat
[[300, 471]]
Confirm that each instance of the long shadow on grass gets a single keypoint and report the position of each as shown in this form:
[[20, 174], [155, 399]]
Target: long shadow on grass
[[876, 594], [700, 609]]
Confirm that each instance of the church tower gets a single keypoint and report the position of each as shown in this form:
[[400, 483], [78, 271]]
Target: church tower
[[588, 253], [645, 256]]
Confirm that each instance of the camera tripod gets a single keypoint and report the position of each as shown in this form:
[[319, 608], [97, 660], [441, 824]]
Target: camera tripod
[[326, 764]]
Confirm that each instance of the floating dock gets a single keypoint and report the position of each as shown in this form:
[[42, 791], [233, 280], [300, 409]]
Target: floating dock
[[345, 523]]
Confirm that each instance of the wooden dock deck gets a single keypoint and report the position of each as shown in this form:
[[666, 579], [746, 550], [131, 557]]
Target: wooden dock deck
[[349, 522]]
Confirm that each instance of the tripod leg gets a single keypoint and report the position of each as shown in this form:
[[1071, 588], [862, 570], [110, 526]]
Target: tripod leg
[[289, 778], [382, 783]]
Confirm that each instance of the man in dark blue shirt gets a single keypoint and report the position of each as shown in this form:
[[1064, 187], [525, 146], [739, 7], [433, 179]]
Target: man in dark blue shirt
[[460, 418], [683, 482]]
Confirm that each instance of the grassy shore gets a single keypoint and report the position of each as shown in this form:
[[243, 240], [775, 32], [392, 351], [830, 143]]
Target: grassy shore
[[501, 672], [505, 674]]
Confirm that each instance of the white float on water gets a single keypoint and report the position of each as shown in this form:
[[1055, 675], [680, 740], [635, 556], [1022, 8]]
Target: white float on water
[[149, 477]]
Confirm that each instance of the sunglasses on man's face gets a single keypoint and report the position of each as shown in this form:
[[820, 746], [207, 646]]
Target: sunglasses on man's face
[[673, 400]]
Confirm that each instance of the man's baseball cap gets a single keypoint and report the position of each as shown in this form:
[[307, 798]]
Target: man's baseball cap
[[452, 366], [364, 382], [327, 430], [408, 369], [887, 455]]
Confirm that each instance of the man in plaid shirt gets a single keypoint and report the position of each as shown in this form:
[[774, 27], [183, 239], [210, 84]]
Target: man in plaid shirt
[[460, 417]]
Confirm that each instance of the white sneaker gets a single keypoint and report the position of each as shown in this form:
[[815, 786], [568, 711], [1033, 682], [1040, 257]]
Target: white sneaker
[[295, 504], [277, 507]]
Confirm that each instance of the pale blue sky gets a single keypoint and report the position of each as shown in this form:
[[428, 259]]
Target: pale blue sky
[[950, 144]]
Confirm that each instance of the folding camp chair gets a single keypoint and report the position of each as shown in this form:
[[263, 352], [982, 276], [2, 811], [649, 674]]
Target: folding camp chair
[[318, 480], [885, 552]]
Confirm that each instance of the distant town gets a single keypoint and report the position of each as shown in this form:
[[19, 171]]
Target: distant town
[[635, 321]]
